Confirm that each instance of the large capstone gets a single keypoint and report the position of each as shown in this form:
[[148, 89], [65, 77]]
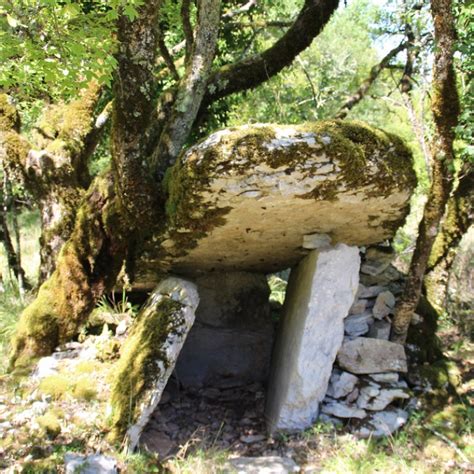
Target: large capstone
[[321, 290], [247, 198]]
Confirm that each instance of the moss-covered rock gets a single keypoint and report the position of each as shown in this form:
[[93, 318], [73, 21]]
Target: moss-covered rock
[[9, 116], [243, 198], [149, 355]]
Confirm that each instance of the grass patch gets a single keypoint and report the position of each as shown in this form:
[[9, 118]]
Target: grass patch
[[61, 386]]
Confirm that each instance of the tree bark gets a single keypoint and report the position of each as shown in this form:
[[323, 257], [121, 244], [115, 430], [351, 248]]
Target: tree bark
[[354, 99], [445, 108], [459, 217], [13, 256], [87, 267], [54, 169]]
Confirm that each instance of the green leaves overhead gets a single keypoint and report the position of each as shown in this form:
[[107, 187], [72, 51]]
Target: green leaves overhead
[[51, 48]]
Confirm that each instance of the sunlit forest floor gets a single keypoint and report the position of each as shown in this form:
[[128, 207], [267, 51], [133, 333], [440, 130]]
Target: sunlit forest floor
[[34, 438]]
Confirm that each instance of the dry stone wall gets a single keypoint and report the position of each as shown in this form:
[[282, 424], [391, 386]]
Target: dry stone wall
[[367, 389]]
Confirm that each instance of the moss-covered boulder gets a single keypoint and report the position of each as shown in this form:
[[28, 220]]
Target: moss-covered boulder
[[149, 355], [244, 198]]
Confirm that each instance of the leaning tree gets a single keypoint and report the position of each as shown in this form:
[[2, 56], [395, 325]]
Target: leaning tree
[[112, 216]]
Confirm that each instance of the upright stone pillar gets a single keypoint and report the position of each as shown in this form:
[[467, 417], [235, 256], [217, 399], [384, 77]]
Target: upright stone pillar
[[320, 292]]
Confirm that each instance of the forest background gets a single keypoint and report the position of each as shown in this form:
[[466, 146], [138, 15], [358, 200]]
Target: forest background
[[372, 62]]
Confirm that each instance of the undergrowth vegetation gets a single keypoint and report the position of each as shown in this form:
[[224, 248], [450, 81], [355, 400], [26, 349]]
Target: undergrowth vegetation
[[11, 301]]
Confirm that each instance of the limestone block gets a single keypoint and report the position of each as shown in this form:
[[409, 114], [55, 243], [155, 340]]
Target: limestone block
[[384, 304], [262, 465], [93, 464], [358, 324], [365, 355], [341, 384], [369, 292], [341, 410], [232, 338], [320, 292], [380, 330], [149, 355], [244, 199], [382, 423], [381, 400], [387, 377], [358, 307]]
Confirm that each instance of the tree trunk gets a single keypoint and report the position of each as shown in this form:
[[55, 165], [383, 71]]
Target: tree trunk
[[13, 256], [87, 267], [54, 169], [459, 217], [445, 108]]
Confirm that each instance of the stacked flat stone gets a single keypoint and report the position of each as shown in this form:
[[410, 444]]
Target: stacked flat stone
[[366, 386]]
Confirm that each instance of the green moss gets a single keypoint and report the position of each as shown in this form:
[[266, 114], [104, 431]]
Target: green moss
[[66, 125], [16, 150], [60, 386], [49, 423], [137, 368], [87, 367], [57, 386], [452, 421], [9, 117], [65, 300], [84, 389]]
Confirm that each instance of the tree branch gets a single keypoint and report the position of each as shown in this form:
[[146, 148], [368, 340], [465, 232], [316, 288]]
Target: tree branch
[[253, 71], [354, 99], [187, 29], [191, 88], [167, 58]]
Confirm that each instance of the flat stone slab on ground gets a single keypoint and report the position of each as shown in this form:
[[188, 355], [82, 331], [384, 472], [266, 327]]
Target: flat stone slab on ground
[[365, 355], [261, 465], [383, 423], [93, 464]]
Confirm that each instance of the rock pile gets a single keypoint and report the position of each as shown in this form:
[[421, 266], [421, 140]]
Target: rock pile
[[366, 387]]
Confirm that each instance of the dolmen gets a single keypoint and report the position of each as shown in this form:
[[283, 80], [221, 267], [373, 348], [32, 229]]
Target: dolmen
[[243, 203]]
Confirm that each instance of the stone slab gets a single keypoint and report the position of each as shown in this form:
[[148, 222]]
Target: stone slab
[[261, 465], [244, 199], [320, 292], [364, 355], [150, 353]]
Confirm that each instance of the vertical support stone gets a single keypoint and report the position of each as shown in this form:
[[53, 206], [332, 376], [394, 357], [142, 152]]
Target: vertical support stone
[[320, 292], [149, 355]]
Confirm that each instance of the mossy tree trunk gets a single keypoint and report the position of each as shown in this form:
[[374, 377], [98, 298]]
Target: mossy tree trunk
[[148, 133], [54, 167], [445, 107], [87, 266], [459, 217]]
